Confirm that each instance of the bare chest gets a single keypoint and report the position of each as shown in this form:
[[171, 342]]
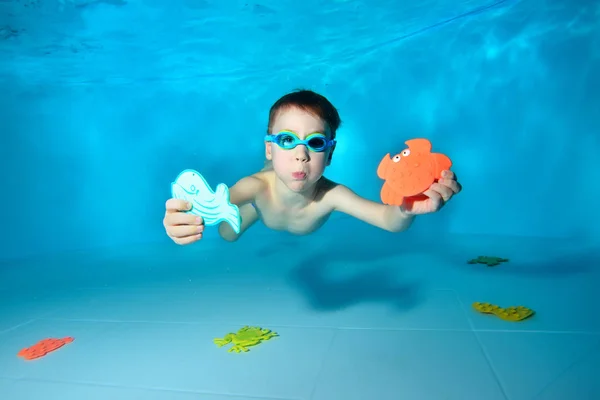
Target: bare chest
[[298, 221]]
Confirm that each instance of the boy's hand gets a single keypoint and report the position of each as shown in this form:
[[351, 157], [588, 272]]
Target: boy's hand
[[181, 227], [434, 198]]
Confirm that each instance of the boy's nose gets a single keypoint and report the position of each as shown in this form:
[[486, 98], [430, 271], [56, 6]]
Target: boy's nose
[[301, 153]]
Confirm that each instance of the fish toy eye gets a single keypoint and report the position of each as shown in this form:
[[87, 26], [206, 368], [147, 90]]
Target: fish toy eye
[[396, 158], [405, 152]]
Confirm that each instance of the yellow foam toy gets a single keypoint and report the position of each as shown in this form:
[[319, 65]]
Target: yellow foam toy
[[247, 336], [512, 314]]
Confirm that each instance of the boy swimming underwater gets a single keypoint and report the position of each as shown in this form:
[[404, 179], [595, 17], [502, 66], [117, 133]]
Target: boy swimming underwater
[[290, 193]]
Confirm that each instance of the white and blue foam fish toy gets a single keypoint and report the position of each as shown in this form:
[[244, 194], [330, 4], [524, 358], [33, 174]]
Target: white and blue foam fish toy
[[213, 207]]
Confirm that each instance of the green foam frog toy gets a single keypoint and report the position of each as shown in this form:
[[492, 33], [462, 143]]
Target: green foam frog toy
[[247, 336]]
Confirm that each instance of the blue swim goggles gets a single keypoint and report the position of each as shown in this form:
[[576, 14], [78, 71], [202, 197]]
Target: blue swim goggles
[[316, 142]]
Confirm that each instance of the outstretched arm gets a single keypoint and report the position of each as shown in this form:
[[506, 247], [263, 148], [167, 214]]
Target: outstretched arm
[[242, 194], [393, 218], [390, 218]]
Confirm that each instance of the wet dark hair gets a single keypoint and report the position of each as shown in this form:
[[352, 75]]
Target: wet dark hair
[[312, 103]]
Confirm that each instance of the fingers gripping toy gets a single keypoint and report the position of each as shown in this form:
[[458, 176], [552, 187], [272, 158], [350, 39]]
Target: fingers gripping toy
[[213, 207], [410, 172]]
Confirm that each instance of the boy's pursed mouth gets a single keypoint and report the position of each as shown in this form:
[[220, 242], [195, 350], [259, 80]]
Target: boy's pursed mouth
[[299, 175]]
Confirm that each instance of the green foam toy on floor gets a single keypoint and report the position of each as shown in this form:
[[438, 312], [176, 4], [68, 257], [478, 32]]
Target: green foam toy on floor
[[247, 336], [490, 261]]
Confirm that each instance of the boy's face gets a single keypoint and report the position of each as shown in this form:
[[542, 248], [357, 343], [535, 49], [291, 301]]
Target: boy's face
[[298, 168]]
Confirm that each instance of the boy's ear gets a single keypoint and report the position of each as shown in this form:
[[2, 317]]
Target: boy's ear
[[330, 155], [268, 148]]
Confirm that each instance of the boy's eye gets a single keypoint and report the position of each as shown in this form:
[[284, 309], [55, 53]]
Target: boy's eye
[[286, 140], [317, 142]]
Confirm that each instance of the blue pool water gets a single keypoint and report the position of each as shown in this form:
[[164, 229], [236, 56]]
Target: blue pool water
[[104, 102]]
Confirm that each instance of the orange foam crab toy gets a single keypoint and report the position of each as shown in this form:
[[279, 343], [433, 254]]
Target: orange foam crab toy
[[43, 347], [410, 172]]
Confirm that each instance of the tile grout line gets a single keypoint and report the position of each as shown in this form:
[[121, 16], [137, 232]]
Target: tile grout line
[[320, 370], [482, 347], [151, 389], [350, 328], [12, 328], [584, 357]]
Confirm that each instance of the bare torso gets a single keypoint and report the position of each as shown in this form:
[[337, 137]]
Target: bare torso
[[298, 220]]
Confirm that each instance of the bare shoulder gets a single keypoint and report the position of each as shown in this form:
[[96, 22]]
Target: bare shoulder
[[247, 188], [262, 179], [262, 176], [251, 180], [330, 191]]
